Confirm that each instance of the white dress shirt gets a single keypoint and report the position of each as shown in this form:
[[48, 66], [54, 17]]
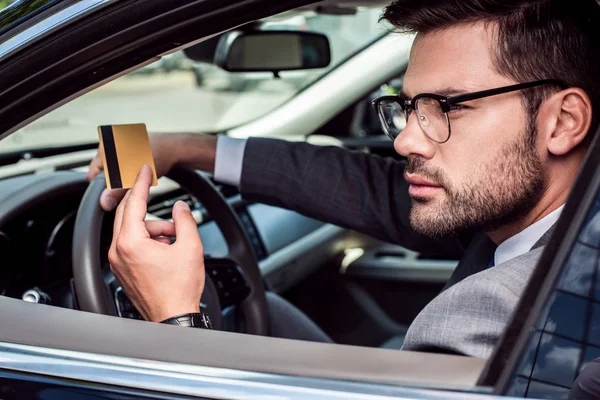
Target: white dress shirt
[[228, 170], [523, 241]]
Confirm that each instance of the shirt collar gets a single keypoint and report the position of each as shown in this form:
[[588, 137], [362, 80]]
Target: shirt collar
[[523, 241]]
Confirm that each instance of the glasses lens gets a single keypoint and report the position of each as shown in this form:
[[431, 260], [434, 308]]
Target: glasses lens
[[432, 119], [392, 117]]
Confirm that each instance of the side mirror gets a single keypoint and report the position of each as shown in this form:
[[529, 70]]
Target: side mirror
[[272, 51]]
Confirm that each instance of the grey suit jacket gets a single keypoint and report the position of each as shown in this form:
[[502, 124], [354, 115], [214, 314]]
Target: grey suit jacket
[[469, 317], [368, 194]]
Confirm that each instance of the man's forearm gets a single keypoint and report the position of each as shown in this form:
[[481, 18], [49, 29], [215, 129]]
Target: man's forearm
[[192, 150]]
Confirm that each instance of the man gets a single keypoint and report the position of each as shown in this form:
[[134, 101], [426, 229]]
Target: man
[[486, 171]]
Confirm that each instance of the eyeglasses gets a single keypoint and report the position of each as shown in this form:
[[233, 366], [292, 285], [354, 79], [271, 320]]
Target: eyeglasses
[[432, 109]]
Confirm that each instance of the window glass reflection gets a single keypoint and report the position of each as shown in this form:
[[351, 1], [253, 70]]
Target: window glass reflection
[[529, 356], [557, 360], [540, 390], [590, 234], [578, 273], [596, 291], [518, 387], [567, 316], [594, 332]]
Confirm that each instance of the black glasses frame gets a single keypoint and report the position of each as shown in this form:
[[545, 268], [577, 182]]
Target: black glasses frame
[[446, 102]]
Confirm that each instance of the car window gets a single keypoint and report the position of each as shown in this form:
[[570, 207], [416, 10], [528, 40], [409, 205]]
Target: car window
[[369, 124], [176, 94]]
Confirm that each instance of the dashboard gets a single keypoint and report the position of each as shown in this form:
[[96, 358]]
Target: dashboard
[[37, 216]]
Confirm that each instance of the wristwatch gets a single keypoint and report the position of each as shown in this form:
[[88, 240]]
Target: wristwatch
[[191, 320]]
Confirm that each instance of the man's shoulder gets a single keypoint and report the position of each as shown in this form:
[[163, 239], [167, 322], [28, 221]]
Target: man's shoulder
[[504, 282], [474, 311], [512, 274]]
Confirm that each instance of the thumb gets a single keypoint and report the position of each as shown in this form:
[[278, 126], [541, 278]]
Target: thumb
[[110, 199], [186, 230]]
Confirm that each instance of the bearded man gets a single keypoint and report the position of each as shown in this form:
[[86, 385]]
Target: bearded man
[[493, 125]]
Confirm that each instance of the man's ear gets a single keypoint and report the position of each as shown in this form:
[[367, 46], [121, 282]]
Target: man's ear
[[565, 119]]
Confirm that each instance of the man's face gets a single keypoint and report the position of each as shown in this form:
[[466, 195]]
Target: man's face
[[489, 173]]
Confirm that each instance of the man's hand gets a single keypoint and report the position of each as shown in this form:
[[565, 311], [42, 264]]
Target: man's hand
[[161, 279], [195, 151]]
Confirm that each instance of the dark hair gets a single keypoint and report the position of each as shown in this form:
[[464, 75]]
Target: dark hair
[[536, 39]]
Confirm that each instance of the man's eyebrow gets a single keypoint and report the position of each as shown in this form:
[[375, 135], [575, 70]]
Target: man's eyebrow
[[442, 92], [451, 92]]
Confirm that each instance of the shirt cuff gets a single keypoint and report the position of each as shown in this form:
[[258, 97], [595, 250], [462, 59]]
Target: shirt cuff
[[229, 160]]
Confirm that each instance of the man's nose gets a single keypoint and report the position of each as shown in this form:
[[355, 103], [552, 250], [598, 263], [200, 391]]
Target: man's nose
[[413, 141]]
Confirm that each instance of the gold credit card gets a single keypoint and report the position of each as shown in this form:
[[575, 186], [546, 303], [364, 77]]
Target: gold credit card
[[125, 149]]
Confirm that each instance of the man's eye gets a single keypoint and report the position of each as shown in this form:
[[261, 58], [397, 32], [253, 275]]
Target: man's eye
[[456, 107]]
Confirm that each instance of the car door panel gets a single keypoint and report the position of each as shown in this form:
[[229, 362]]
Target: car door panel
[[397, 264]]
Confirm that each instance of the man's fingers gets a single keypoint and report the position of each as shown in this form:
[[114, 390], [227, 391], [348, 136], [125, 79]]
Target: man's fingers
[[162, 239], [160, 228], [110, 199], [119, 216], [185, 225], [95, 167], [135, 206]]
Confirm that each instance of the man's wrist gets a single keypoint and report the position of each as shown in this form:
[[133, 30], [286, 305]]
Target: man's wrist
[[196, 151]]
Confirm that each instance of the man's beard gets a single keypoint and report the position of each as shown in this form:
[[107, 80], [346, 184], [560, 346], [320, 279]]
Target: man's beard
[[512, 183]]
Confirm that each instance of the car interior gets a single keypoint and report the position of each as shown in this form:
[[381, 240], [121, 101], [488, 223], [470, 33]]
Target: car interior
[[182, 73], [347, 283]]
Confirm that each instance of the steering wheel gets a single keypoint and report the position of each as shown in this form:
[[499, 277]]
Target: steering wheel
[[235, 280]]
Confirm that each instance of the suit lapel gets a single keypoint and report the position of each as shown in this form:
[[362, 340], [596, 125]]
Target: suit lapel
[[478, 254], [476, 257], [544, 239]]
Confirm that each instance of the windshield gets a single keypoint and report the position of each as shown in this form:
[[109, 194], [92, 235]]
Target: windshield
[[13, 12], [176, 94]]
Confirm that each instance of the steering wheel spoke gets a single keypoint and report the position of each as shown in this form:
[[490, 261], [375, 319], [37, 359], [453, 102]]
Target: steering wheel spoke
[[229, 280]]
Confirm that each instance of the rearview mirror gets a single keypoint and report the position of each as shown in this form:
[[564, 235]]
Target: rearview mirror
[[272, 51]]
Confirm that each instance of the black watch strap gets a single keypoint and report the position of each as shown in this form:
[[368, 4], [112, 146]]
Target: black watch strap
[[191, 320]]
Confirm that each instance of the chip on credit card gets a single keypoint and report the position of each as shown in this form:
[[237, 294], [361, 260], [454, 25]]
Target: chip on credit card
[[125, 149]]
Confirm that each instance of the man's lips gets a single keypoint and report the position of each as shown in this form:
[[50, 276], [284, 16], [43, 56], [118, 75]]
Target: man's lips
[[419, 181], [421, 187]]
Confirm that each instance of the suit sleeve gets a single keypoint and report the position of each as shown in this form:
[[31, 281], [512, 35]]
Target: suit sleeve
[[354, 190]]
